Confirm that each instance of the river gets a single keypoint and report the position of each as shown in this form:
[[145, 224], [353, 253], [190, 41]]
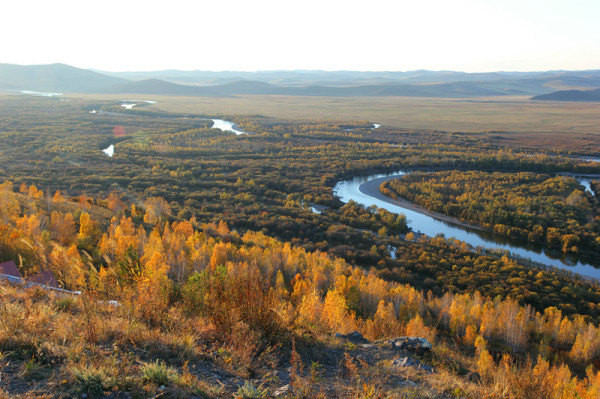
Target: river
[[110, 150], [587, 183], [129, 104], [38, 93], [221, 124], [365, 190], [226, 126]]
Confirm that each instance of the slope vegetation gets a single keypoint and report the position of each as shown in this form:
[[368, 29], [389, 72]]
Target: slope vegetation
[[171, 309]]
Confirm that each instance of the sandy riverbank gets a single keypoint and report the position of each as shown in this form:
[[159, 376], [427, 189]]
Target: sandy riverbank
[[371, 188]]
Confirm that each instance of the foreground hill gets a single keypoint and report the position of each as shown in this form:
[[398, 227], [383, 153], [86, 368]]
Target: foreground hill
[[173, 309], [570, 95]]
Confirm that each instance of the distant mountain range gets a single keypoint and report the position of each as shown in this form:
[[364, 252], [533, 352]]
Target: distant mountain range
[[570, 95], [555, 79], [454, 89], [448, 84]]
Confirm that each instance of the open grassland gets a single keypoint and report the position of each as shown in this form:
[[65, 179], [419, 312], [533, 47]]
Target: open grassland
[[507, 114], [511, 121]]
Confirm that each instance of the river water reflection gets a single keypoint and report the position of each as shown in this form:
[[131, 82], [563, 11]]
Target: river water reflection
[[365, 191]]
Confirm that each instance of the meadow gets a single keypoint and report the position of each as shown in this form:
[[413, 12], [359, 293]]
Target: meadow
[[513, 121]]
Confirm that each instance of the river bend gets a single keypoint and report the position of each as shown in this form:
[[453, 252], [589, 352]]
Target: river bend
[[365, 190]]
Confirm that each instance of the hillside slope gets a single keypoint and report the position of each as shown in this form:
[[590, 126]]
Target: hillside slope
[[168, 309], [53, 77], [570, 95]]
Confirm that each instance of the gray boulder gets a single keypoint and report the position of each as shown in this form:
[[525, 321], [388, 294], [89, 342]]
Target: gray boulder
[[415, 344], [355, 337], [474, 376], [411, 362], [282, 391]]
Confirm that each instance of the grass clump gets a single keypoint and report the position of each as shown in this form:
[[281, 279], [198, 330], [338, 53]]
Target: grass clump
[[249, 391], [90, 381], [159, 373], [65, 304], [33, 370]]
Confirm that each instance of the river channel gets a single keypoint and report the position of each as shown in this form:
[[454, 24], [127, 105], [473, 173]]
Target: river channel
[[365, 190]]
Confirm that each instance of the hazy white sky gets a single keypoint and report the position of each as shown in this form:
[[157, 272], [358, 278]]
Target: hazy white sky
[[467, 35]]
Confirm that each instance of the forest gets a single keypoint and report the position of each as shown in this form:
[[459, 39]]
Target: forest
[[552, 210], [203, 237], [181, 290]]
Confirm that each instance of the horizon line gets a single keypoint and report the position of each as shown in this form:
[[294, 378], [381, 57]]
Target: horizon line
[[305, 70]]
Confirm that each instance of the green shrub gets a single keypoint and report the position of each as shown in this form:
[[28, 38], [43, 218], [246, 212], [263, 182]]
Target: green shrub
[[90, 381], [65, 303], [249, 391], [159, 373], [33, 370]]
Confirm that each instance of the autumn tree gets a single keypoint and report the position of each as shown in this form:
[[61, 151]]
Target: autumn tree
[[58, 198], [9, 204], [62, 227], [157, 209], [114, 202], [67, 266]]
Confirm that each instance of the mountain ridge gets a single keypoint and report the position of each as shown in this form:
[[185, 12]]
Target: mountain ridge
[[421, 83], [454, 89]]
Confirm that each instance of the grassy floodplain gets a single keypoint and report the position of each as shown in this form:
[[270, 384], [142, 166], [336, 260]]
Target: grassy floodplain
[[513, 121]]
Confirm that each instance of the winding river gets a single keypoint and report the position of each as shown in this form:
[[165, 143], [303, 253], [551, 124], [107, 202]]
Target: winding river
[[365, 190], [221, 124]]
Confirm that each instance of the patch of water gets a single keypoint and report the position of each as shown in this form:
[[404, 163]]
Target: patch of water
[[39, 93], [110, 150], [226, 126], [141, 101], [587, 184]]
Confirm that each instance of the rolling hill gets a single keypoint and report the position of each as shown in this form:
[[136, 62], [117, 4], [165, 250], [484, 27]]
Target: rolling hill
[[552, 79], [53, 77], [570, 95], [445, 90]]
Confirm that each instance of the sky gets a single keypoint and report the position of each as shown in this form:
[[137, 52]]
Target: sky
[[250, 35]]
